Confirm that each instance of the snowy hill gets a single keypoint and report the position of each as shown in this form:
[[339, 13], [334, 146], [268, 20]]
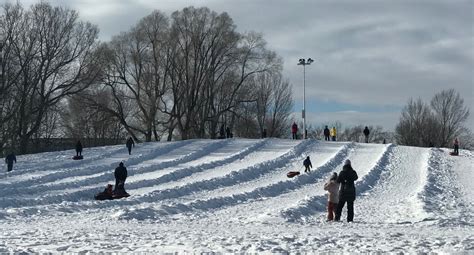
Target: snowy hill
[[233, 196]]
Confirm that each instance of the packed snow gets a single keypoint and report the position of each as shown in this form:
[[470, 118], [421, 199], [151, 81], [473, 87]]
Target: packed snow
[[232, 195]]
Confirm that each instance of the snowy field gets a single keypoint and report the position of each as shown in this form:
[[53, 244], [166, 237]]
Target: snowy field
[[233, 196]]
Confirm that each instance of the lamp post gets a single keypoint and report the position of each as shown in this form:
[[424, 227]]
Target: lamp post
[[304, 63]]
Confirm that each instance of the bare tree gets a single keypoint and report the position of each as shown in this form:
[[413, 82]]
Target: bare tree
[[50, 58], [450, 113], [417, 125]]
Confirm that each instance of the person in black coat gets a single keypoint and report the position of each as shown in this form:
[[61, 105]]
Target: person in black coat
[[120, 176], [228, 133], [78, 148], [326, 133], [9, 161], [307, 165], [130, 143], [347, 192], [366, 133]]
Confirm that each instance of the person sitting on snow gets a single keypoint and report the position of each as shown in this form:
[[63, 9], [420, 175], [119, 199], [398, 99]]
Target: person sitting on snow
[[106, 194]]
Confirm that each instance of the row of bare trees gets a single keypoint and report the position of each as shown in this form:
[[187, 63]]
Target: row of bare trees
[[180, 77], [435, 124]]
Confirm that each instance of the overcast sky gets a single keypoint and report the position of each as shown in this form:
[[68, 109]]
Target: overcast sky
[[371, 57]]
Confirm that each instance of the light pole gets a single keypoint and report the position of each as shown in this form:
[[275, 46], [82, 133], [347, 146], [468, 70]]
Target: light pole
[[304, 63]]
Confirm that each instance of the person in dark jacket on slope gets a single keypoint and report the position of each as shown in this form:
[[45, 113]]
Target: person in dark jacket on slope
[[307, 165], [78, 148], [120, 176], [326, 134], [130, 143], [347, 192], [366, 133], [9, 161]]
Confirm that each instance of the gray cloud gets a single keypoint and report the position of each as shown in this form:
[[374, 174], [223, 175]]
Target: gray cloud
[[369, 53]]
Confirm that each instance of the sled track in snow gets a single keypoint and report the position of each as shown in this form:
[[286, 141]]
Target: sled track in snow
[[100, 172], [96, 183], [441, 194], [268, 191], [315, 204]]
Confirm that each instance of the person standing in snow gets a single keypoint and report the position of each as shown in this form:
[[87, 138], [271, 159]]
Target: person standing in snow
[[333, 195], [130, 143], [78, 148], [326, 133], [294, 131], [456, 146], [347, 192], [228, 133], [366, 133], [307, 165], [333, 133], [9, 161], [120, 175]]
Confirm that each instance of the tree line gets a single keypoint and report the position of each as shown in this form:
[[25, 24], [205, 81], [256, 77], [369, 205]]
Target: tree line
[[180, 76]]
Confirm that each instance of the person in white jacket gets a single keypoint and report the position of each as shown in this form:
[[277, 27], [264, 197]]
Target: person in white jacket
[[333, 195]]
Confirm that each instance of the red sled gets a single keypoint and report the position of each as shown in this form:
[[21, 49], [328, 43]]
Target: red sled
[[292, 174], [77, 157]]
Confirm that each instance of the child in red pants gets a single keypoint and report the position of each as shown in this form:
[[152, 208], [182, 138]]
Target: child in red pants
[[333, 197]]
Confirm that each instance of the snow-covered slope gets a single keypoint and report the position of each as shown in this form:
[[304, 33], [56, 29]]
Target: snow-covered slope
[[233, 196]]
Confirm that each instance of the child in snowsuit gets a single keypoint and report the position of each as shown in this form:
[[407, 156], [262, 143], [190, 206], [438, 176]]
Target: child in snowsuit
[[307, 165], [333, 195]]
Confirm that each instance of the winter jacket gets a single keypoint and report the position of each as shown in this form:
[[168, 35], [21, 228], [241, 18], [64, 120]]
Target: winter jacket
[[326, 132], [456, 142], [333, 132], [120, 173], [10, 159], [78, 146], [307, 162], [294, 128], [333, 189], [130, 142], [346, 178], [366, 131]]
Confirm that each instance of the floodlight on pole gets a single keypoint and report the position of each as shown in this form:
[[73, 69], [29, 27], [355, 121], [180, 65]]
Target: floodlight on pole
[[304, 63]]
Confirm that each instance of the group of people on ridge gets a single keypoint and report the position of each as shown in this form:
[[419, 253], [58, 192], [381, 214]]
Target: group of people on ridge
[[330, 133]]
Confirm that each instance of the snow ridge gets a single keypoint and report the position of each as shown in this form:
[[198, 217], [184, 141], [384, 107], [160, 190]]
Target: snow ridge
[[314, 204], [441, 195], [272, 190]]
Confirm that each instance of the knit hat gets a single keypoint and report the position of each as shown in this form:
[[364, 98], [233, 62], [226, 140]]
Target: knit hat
[[121, 164], [347, 162], [333, 176]]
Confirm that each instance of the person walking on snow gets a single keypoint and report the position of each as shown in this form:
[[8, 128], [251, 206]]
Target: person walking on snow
[[333, 133], [326, 133], [78, 148], [120, 176], [333, 195], [347, 192], [130, 143], [307, 165], [294, 131], [366, 133], [456, 146], [9, 161]]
